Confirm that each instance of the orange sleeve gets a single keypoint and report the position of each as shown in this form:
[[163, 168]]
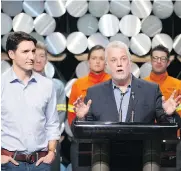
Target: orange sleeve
[[73, 97], [108, 77], [147, 78]]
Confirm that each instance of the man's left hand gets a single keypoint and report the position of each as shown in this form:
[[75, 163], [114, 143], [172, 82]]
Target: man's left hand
[[171, 104], [48, 159]]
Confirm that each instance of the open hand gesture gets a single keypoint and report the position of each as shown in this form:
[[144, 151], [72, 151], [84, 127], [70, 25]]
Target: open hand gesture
[[80, 108], [171, 104]]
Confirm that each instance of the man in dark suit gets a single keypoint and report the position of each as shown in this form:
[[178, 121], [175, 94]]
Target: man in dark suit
[[125, 98], [144, 98], [147, 103]]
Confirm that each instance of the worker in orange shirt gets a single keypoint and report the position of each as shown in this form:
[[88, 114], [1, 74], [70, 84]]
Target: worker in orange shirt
[[96, 61], [160, 62], [97, 75]]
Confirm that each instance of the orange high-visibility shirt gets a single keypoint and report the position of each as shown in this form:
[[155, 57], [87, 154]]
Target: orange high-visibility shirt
[[167, 85], [80, 87]]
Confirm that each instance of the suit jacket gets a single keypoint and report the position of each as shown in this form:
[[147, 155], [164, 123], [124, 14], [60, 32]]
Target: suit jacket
[[147, 103]]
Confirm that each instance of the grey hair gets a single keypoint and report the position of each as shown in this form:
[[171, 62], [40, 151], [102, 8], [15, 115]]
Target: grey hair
[[117, 44], [41, 45]]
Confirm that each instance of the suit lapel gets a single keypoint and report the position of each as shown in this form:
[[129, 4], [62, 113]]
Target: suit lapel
[[135, 88], [110, 100]]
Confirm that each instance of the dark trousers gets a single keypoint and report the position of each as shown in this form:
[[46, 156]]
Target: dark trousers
[[178, 156]]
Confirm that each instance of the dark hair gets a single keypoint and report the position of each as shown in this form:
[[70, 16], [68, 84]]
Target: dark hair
[[15, 38], [97, 47], [161, 48]]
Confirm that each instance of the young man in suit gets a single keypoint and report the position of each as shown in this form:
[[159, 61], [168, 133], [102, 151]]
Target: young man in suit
[[115, 99]]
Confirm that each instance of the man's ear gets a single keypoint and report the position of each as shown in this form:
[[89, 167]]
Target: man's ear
[[106, 69], [11, 54]]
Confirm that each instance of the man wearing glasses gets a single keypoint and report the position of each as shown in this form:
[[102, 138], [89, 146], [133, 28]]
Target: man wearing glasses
[[160, 62]]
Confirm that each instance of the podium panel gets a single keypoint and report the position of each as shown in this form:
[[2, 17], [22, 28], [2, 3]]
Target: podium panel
[[135, 143], [123, 131]]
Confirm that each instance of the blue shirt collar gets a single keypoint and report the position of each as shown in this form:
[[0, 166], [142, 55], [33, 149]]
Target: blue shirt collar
[[115, 86], [14, 78]]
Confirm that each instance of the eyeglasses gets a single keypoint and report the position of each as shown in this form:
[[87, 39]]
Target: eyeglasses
[[162, 59]]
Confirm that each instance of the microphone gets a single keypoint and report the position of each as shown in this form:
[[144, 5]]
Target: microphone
[[120, 108], [132, 95], [122, 94], [132, 112]]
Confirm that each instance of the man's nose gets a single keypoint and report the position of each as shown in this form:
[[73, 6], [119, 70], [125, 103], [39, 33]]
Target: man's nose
[[159, 60], [32, 56], [119, 63], [97, 61], [37, 59]]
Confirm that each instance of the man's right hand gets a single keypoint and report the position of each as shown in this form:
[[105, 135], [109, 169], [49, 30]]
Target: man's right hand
[[6, 159], [81, 109]]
